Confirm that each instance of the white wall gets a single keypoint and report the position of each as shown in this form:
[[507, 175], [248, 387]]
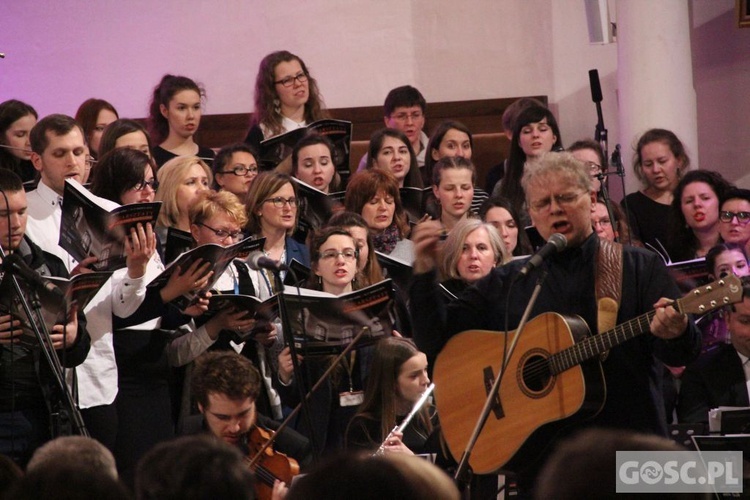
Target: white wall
[[721, 71], [63, 52]]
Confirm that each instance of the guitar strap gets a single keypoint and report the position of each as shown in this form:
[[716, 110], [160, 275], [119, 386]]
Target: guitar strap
[[608, 282]]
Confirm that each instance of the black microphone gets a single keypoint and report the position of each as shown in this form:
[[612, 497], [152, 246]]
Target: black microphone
[[556, 243], [257, 260], [15, 265], [616, 160], [596, 88]]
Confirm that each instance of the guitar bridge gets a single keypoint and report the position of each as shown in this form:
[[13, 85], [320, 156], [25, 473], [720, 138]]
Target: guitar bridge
[[489, 380]]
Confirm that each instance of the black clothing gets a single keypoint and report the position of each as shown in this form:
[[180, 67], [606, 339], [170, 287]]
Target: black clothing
[[27, 386], [254, 137], [162, 156], [289, 442], [715, 379], [633, 377], [648, 220]]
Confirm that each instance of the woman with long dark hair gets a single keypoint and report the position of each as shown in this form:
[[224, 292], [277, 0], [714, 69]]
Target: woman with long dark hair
[[536, 133], [397, 379], [16, 121], [174, 117]]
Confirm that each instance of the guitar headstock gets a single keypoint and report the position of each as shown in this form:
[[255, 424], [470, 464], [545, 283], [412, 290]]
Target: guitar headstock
[[722, 292]]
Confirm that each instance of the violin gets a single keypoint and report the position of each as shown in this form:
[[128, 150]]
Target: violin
[[267, 464]]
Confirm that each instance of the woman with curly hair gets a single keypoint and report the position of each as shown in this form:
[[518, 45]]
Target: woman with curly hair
[[286, 97]]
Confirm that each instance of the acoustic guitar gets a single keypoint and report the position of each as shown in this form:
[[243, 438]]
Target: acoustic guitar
[[554, 379]]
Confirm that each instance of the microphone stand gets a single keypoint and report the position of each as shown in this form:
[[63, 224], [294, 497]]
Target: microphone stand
[[462, 470], [608, 203], [306, 397], [297, 369], [616, 161], [45, 343]]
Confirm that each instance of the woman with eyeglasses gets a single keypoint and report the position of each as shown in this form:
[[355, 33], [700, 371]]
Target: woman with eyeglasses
[[334, 270], [694, 216], [126, 176], [174, 117], [272, 208], [235, 167], [286, 97], [590, 153], [181, 182], [217, 218], [735, 217]]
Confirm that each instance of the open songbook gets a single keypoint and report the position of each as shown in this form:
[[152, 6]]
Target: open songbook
[[78, 291], [263, 311], [94, 226], [278, 148], [323, 323], [315, 206], [220, 257]]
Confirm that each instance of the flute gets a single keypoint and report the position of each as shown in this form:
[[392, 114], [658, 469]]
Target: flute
[[400, 428]]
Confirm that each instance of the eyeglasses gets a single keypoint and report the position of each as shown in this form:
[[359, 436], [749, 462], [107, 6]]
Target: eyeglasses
[[153, 183], [594, 168], [402, 117], [279, 202], [289, 80], [222, 234], [564, 200], [727, 216], [241, 170], [601, 223], [348, 254]]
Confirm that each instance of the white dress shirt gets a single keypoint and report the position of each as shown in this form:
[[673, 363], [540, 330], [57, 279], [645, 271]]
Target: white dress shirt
[[121, 295]]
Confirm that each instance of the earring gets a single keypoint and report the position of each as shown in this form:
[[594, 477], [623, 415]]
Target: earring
[[277, 106]]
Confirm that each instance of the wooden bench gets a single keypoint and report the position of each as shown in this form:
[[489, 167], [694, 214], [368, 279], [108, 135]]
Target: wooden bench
[[482, 116]]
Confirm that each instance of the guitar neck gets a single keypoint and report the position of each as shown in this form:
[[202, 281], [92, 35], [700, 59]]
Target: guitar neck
[[596, 345]]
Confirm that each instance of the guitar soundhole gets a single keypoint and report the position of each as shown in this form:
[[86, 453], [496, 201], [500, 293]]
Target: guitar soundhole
[[536, 379]]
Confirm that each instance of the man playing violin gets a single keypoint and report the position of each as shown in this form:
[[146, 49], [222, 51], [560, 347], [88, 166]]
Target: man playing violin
[[559, 197], [226, 386]]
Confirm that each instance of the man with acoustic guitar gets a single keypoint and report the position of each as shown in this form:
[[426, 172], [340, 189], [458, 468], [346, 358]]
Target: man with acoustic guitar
[[226, 385], [602, 283]]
